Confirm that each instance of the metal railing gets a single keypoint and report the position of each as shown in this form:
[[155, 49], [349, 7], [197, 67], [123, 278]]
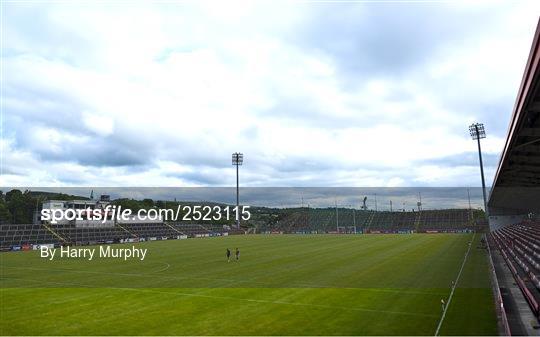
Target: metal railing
[[498, 297]]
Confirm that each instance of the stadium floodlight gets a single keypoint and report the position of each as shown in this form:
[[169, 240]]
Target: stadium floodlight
[[237, 160], [478, 132]]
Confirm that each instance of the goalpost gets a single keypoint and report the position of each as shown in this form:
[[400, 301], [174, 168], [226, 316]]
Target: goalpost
[[346, 229]]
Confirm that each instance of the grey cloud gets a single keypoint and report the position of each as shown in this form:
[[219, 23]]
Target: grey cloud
[[119, 149], [30, 28], [387, 39], [200, 177], [493, 110], [57, 111], [464, 159], [41, 106], [365, 41]]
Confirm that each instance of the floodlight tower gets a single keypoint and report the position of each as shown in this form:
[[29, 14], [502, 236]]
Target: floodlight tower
[[337, 218], [478, 132], [237, 160], [354, 218]]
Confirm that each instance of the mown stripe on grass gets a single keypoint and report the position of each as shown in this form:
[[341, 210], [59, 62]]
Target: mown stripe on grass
[[235, 298]]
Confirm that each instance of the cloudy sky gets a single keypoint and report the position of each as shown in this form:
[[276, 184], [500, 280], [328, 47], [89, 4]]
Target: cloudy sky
[[313, 93]]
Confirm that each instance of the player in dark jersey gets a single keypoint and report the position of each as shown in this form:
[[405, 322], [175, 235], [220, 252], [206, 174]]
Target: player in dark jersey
[[237, 253], [228, 255]]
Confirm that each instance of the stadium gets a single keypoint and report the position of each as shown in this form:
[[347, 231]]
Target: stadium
[[295, 269]]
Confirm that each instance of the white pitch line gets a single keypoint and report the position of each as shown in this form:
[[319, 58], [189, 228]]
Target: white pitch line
[[231, 298], [163, 269], [454, 287], [237, 281]]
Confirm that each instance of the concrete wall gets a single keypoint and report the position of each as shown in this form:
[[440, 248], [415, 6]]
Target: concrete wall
[[498, 221]]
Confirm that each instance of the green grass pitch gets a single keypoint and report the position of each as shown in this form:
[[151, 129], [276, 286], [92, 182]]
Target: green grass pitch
[[282, 285]]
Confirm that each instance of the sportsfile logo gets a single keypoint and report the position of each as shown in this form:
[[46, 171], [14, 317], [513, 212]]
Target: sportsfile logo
[[112, 212]]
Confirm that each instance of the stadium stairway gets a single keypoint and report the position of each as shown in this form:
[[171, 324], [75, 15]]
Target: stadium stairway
[[53, 232], [369, 221], [174, 228], [127, 231], [417, 222]]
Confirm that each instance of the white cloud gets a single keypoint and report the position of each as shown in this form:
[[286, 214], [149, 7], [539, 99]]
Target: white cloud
[[181, 86]]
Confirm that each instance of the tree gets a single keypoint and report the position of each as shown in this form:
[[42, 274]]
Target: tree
[[147, 203], [5, 214], [21, 206]]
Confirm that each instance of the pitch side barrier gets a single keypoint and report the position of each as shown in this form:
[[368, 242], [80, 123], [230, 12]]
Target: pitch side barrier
[[501, 312], [308, 232]]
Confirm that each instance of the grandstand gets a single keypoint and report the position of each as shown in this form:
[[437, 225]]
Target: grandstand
[[330, 220], [513, 209], [19, 235], [305, 220], [25, 236]]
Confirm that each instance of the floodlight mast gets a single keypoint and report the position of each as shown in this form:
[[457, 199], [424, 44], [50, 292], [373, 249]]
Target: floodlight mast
[[478, 132], [237, 160]]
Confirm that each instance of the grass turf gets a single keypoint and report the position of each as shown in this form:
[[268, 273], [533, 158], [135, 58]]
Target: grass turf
[[283, 285]]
